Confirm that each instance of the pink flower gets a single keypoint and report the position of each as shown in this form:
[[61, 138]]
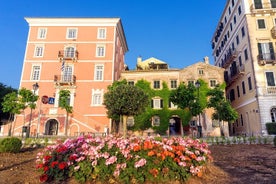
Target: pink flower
[[140, 163], [111, 160]]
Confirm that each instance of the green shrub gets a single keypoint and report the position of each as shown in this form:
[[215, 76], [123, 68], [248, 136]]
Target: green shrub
[[11, 144], [271, 128]]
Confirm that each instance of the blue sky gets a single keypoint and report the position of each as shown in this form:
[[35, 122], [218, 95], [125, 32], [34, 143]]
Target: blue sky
[[178, 32]]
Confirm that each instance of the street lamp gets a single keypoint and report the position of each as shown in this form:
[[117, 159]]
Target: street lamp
[[35, 87], [199, 127]]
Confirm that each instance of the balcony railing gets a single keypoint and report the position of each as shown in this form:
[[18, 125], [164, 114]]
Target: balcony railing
[[232, 76], [65, 54], [263, 8], [229, 58], [271, 90], [266, 58], [65, 79]]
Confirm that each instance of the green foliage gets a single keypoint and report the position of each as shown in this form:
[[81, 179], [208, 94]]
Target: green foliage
[[64, 100], [125, 100], [271, 128], [4, 90], [223, 109], [11, 145]]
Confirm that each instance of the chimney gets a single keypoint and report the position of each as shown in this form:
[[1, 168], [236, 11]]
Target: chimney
[[206, 60]]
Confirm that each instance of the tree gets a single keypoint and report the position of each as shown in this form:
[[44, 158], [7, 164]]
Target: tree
[[3, 91], [64, 103], [222, 107], [27, 99], [125, 100], [185, 97], [11, 106]]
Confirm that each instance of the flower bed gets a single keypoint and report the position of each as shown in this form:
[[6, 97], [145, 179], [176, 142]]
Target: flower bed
[[118, 160]]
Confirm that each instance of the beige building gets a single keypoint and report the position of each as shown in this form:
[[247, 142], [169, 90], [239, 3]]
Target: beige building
[[156, 72], [244, 45]]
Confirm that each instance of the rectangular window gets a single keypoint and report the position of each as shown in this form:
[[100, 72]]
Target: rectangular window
[[261, 23], [270, 81], [35, 73], [200, 71], [97, 97], [41, 33], [71, 33], [156, 84], [245, 55], [273, 3], [157, 103], [249, 83], [232, 95], [243, 88], [266, 51], [237, 40], [240, 60], [101, 33], [99, 71], [38, 51], [173, 84], [258, 4], [213, 83], [238, 91], [100, 52], [239, 10], [191, 82], [131, 83], [243, 32]]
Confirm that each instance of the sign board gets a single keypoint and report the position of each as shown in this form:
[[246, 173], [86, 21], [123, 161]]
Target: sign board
[[51, 100]]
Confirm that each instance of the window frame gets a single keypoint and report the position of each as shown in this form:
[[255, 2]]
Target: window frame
[[100, 50], [259, 24], [41, 33], [156, 84], [35, 74], [97, 97], [99, 72], [70, 31], [101, 34], [39, 51]]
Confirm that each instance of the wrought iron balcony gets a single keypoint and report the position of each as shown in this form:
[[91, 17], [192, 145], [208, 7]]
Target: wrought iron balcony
[[68, 55], [235, 73], [229, 58], [65, 79], [266, 58]]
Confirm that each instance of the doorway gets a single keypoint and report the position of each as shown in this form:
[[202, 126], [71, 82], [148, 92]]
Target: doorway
[[51, 127]]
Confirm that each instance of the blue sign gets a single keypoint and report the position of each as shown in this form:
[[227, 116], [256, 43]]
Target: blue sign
[[51, 100]]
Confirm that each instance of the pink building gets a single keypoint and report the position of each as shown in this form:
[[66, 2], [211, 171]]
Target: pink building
[[82, 55]]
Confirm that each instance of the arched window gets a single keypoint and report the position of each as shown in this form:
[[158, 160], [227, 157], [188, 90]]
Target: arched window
[[273, 114], [69, 52]]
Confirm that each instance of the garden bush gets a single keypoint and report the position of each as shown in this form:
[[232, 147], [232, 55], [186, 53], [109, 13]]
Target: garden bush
[[271, 128], [119, 160], [11, 145]]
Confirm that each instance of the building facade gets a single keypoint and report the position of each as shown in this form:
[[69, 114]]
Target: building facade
[[82, 55], [244, 45], [156, 72]]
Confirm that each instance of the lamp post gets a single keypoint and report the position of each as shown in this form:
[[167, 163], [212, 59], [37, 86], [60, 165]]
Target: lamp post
[[199, 127], [35, 87]]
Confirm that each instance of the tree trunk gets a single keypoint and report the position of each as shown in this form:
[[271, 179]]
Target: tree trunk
[[66, 124], [124, 126]]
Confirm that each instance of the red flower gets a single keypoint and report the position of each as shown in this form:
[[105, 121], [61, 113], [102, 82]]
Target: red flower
[[72, 157], [61, 149], [47, 158], [54, 163], [46, 168], [43, 178], [39, 166], [62, 165]]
